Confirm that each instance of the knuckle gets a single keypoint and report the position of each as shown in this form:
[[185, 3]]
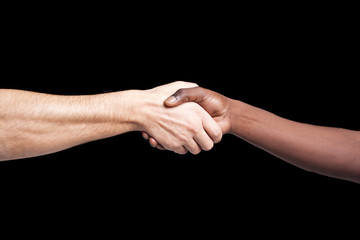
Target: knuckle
[[179, 82], [185, 84], [179, 92], [193, 129], [218, 137], [183, 139]]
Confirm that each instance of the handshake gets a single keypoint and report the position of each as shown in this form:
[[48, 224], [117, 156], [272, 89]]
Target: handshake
[[183, 117], [179, 117]]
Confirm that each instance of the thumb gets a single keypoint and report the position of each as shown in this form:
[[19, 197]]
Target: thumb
[[183, 95]]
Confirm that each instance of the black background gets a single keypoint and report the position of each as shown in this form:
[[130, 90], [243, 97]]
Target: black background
[[302, 65]]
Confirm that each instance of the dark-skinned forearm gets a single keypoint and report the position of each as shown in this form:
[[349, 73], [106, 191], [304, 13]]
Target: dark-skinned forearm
[[329, 151]]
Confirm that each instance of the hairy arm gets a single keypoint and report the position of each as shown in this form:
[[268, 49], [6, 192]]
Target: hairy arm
[[33, 124], [334, 152]]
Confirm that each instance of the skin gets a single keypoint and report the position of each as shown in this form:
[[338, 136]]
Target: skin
[[333, 152], [34, 124]]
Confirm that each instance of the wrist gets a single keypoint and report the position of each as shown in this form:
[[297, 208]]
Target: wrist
[[144, 105], [137, 107], [118, 110], [134, 109], [237, 117]]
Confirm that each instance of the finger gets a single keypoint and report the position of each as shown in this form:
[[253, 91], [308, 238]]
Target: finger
[[212, 129], [204, 141], [160, 147], [155, 143], [152, 141], [181, 150], [183, 95], [145, 135], [193, 147]]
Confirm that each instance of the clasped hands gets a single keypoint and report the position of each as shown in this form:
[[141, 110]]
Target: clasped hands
[[185, 118], [179, 117]]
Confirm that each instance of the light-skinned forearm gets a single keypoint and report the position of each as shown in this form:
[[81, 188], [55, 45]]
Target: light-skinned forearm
[[329, 151], [33, 124]]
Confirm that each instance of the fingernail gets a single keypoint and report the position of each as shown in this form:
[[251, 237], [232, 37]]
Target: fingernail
[[171, 99]]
